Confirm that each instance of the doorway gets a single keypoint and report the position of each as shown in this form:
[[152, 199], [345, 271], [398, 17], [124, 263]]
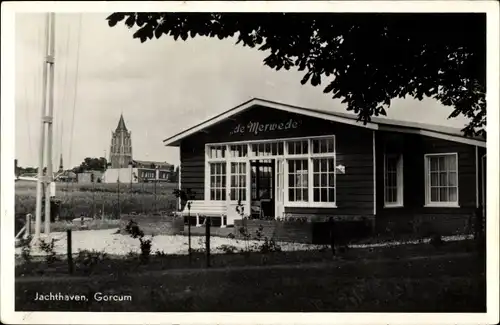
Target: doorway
[[263, 183]]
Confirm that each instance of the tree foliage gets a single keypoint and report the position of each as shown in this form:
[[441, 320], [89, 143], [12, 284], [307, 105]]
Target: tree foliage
[[365, 59], [88, 164]]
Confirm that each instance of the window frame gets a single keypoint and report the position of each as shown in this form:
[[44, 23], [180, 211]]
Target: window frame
[[399, 181], [428, 202], [250, 155]]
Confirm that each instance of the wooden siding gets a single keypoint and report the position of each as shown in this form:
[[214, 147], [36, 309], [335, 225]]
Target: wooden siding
[[193, 168], [414, 216], [353, 146]]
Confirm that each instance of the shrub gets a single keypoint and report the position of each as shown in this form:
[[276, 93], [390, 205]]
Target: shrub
[[269, 246], [133, 229], [86, 260], [228, 249], [48, 249], [26, 250]]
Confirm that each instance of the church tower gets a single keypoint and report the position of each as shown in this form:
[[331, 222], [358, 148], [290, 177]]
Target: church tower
[[121, 146], [61, 167]]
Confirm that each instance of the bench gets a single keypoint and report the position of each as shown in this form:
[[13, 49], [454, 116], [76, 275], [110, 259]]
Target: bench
[[202, 209]]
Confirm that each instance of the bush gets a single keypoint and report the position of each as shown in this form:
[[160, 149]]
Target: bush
[[48, 249], [133, 229], [228, 249], [26, 250], [87, 260]]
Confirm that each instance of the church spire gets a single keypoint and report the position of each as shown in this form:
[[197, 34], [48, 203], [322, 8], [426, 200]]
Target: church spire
[[121, 124], [61, 168]]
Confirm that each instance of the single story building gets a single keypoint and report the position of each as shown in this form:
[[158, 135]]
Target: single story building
[[137, 175], [282, 160]]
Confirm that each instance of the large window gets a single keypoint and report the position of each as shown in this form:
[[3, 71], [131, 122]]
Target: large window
[[441, 188], [393, 180], [238, 181], [298, 180], [218, 181], [309, 170], [324, 180]]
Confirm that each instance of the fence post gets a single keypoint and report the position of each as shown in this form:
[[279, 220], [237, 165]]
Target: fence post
[[332, 234], [207, 239], [189, 230], [27, 230], [70, 253]]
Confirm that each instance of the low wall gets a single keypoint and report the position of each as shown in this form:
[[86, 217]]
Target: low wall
[[305, 231], [426, 225], [154, 224]]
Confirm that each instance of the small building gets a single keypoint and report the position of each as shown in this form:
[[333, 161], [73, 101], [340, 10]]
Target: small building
[[319, 164], [137, 175], [91, 176]]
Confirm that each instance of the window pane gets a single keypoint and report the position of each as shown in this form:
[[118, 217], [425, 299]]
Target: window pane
[[452, 179], [324, 180], [443, 194], [451, 163], [316, 180], [315, 145], [316, 194], [305, 196], [331, 166], [453, 194], [324, 194], [443, 179], [331, 194], [434, 179], [291, 180], [442, 163], [323, 165], [434, 194], [434, 164], [280, 148], [291, 195]]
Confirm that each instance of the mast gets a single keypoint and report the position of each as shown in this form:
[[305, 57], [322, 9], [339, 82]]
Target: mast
[[50, 136], [44, 180]]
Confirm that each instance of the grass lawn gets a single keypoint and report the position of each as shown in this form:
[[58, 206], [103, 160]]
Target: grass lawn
[[443, 283], [77, 199]]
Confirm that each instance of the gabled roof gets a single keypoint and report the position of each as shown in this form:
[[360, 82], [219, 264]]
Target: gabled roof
[[121, 124], [156, 163], [376, 123]]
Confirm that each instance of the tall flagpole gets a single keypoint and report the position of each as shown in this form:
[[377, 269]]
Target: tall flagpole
[[40, 178], [50, 175]]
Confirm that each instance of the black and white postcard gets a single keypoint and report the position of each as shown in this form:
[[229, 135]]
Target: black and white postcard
[[240, 162]]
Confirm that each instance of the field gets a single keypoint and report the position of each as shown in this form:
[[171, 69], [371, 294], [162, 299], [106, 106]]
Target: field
[[77, 199], [410, 278]]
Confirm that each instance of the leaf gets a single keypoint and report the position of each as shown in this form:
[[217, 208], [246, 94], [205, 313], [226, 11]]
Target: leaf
[[305, 78], [316, 79], [329, 88]]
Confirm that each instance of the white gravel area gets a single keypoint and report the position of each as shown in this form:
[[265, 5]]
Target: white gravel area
[[117, 244]]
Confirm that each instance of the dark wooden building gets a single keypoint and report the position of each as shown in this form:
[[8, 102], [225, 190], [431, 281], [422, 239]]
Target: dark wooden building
[[317, 164]]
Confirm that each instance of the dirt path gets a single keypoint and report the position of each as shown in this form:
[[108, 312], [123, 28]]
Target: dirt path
[[315, 265]]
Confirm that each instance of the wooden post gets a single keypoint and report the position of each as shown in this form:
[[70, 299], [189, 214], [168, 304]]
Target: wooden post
[[332, 234], [189, 230], [207, 239], [70, 253], [27, 231]]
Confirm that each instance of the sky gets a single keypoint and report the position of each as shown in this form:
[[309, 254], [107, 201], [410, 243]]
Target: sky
[[161, 87]]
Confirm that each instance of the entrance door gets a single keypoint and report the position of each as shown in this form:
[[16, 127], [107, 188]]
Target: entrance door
[[279, 188], [262, 185]]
